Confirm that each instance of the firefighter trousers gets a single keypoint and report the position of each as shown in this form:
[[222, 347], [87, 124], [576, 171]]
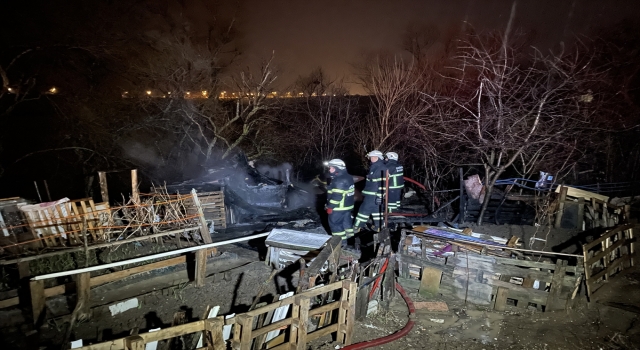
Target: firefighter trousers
[[369, 208], [395, 196], [341, 223]]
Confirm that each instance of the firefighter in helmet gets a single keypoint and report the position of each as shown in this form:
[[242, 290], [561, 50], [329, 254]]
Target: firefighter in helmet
[[340, 200], [373, 193], [396, 181]]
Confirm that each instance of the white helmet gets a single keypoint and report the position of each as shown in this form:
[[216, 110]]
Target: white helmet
[[392, 155], [337, 163], [375, 154]]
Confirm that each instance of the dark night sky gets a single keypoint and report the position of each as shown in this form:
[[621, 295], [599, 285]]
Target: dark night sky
[[336, 34]]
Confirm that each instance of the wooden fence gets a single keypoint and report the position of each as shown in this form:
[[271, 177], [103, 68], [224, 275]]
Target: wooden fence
[[608, 255], [303, 312]]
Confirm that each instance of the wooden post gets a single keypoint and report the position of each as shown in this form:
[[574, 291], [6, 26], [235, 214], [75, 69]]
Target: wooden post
[[388, 283], [134, 342], [303, 304], [563, 197], [83, 288], [201, 267], [246, 322], [35, 183], [351, 312], [627, 214], [213, 328], [580, 222], [204, 230], [46, 188], [556, 285], [501, 299], [37, 300], [430, 282], [135, 195], [104, 189], [23, 270]]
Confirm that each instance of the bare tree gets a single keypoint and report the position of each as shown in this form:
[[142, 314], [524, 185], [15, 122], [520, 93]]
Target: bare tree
[[395, 88], [516, 110]]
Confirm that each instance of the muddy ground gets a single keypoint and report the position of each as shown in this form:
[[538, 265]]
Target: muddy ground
[[235, 276]]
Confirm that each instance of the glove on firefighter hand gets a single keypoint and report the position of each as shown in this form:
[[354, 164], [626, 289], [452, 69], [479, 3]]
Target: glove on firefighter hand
[[379, 200], [329, 210]]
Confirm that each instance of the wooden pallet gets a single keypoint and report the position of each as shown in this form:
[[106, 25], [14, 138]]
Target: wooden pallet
[[608, 255], [63, 224], [245, 329], [491, 280], [212, 206]]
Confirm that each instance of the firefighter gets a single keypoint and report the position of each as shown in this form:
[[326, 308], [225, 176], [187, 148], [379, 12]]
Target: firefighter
[[373, 193], [396, 181], [340, 200]]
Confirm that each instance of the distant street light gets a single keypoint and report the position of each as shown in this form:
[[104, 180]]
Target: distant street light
[[149, 92]]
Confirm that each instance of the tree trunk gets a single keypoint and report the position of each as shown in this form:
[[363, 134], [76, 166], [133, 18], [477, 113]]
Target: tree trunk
[[487, 195]]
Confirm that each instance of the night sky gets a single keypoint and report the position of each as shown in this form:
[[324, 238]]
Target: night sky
[[337, 34]]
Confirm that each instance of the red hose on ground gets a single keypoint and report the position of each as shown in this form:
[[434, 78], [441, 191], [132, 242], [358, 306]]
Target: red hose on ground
[[395, 336]]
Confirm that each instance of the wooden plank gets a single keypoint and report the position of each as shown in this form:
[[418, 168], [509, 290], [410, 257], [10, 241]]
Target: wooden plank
[[430, 282], [271, 327], [246, 322], [135, 195], [501, 299], [214, 327], [351, 312], [325, 308], [510, 270], [172, 332], [104, 189], [580, 219], [201, 267], [556, 286], [610, 268], [115, 276], [83, 288], [606, 235], [578, 193], [134, 342], [37, 300], [204, 230], [117, 344], [303, 317], [322, 332], [314, 268], [342, 316], [96, 218], [606, 251], [563, 196], [89, 222]]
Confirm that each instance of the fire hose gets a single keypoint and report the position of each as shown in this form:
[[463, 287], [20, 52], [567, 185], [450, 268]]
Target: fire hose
[[395, 336]]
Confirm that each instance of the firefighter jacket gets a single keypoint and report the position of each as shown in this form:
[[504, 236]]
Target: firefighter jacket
[[340, 191], [396, 175], [375, 185]]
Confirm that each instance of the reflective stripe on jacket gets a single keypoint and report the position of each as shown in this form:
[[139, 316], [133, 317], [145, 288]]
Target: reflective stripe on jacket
[[396, 174], [375, 179], [340, 192]]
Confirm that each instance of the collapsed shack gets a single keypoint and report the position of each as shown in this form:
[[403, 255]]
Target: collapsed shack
[[250, 196]]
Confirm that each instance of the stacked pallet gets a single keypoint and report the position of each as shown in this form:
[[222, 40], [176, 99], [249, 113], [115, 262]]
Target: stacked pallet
[[609, 255], [490, 280], [212, 204]]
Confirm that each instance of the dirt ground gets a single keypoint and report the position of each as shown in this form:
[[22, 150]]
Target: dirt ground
[[608, 322], [593, 326]]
